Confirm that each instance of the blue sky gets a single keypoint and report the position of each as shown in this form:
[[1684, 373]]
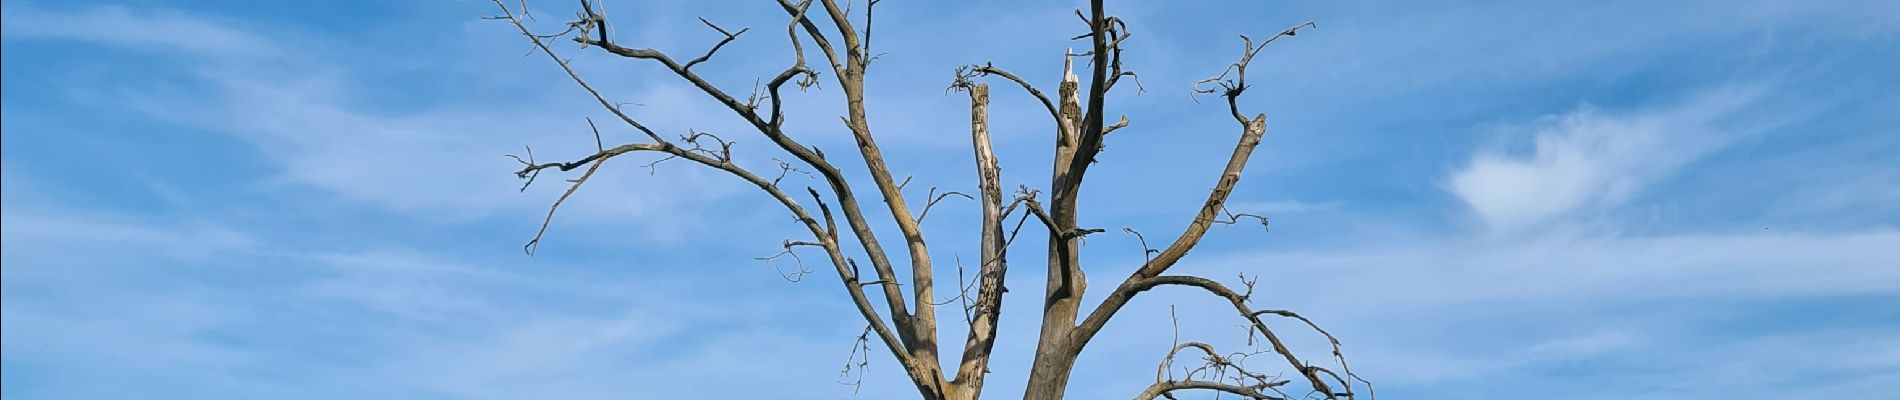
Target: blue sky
[[1559, 200]]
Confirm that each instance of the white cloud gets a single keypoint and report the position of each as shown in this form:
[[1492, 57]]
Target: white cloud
[[1588, 161], [136, 30]]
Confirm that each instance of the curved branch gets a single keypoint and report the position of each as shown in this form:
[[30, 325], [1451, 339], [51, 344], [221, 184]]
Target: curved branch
[[1196, 229], [990, 69], [797, 11], [1311, 373], [1159, 389], [1216, 200]]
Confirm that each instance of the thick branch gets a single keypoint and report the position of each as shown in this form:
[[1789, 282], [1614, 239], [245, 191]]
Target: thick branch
[[1055, 351], [1216, 200], [851, 79], [1210, 209], [1090, 140], [983, 324], [1065, 273], [853, 51]]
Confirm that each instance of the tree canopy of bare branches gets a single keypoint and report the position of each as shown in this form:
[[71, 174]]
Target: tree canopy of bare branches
[[839, 44]]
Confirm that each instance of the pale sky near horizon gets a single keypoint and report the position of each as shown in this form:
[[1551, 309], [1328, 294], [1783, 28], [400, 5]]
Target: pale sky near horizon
[[217, 199]]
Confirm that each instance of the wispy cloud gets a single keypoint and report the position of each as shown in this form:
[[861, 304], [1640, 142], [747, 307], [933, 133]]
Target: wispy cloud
[[309, 116], [394, 323], [139, 30], [1589, 161]]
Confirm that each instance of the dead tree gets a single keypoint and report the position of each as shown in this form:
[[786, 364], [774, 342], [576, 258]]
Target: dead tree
[[910, 332]]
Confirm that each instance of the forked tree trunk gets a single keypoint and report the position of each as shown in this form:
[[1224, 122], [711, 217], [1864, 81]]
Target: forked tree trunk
[[911, 336]]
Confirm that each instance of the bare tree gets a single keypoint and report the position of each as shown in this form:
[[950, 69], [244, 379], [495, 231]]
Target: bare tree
[[910, 334]]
